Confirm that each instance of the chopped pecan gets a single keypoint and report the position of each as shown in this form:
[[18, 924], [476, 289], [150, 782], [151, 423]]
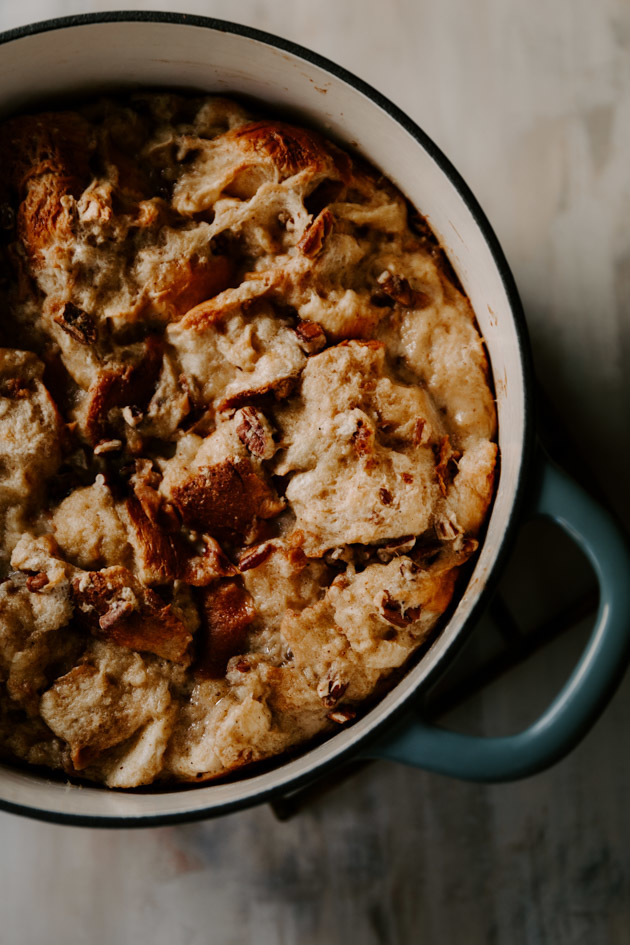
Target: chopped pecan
[[341, 716], [35, 582], [395, 612], [446, 530], [363, 439], [446, 463], [107, 446], [253, 557], [151, 626], [227, 612], [311, 336], [399, 290], [77, 323], [317, 233], [225, 499], [330, 690], [254, 432], [132, 416], [297, 557], [117, 612]]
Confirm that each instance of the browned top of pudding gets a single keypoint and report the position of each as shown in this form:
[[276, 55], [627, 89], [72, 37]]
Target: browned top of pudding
[[246, 437]]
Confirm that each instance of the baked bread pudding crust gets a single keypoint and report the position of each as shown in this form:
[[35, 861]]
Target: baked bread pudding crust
[[247, 438]]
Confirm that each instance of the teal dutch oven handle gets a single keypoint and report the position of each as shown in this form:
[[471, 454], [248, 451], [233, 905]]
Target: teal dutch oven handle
[[590, 686]]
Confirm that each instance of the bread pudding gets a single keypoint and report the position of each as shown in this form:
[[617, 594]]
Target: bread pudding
[[247, 438]]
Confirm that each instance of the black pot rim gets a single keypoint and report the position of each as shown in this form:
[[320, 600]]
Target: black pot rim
[[523, 483]]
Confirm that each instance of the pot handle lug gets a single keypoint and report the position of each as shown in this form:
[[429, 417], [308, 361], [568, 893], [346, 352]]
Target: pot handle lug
[[588, 689]]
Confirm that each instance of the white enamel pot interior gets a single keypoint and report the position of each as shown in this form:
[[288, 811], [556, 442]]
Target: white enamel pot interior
[[85, 55]]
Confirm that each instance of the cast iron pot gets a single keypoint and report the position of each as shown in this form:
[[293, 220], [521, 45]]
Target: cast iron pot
[[88, 54]]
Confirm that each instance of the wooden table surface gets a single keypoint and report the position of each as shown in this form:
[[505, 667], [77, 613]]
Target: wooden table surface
[[531, 101]]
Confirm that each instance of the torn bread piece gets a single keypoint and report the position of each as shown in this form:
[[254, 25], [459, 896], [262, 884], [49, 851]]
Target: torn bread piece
[[31, 433]]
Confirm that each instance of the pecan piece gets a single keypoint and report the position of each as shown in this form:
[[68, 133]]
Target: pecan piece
[[341, 716], [316, 235], [116, 613], [395, 612], [254, 432], [107, 446], [399, 290], [446, 530], [227, 612], [446, 463], [132, 416], [35, 582], [330, 690], [311, 336], [77, 323], [253, 557], [363, 439]]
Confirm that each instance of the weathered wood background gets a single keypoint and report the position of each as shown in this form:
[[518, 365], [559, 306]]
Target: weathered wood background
[[532, 103]]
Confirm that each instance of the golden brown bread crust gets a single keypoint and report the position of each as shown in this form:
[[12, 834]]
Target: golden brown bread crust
[[45, 159], [247, 453], [225, 500], [117, 607], [291, 150]]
